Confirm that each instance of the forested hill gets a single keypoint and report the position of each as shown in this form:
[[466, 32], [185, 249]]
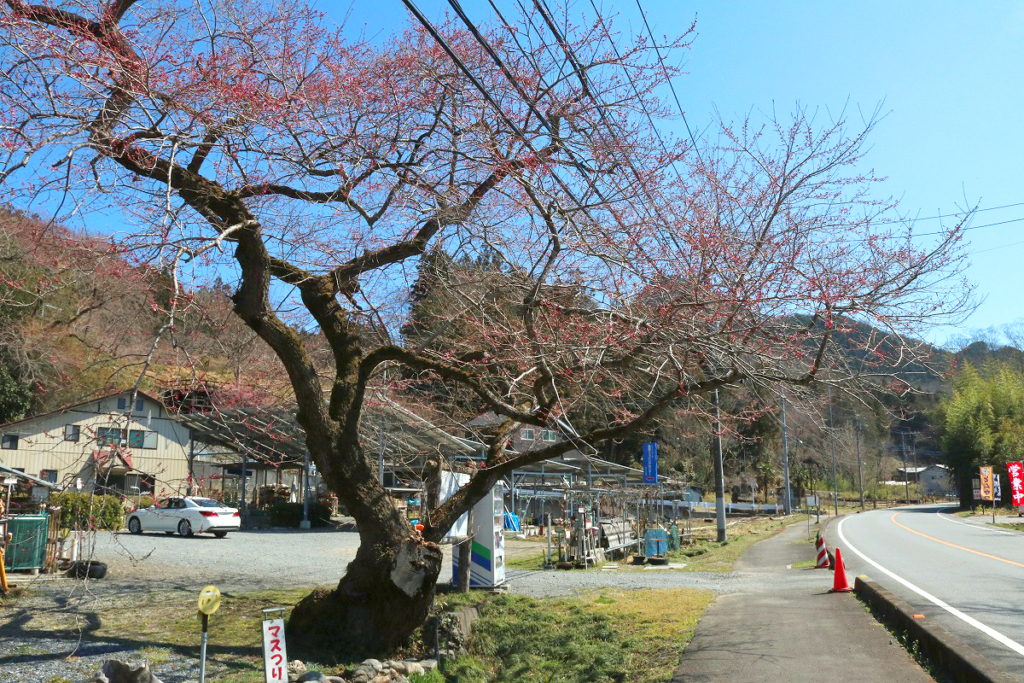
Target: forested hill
[[78, 320]]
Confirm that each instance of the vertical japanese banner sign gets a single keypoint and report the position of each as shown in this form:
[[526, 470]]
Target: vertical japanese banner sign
[[650, 462], [986, 483], [275, 658], [1015, 470]]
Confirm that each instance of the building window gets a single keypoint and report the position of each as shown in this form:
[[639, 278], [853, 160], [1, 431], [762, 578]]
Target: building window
[[122, 403], [549, 435], [111, 436], [138, 404], [71, 433], [9, 442], [138, 438], [49, 475], [146, 482], [526, 435]]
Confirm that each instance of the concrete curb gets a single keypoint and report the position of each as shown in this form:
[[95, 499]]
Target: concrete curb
[[940, 647]]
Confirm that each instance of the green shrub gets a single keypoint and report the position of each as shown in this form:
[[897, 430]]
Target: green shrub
[[432, 676], [88, 512], [290, 514]]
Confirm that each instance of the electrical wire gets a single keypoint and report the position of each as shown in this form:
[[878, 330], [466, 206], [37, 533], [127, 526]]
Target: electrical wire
[[675, 95], [519, 90]]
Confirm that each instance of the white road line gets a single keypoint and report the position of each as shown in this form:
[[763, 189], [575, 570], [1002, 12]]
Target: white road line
[[987, 630], [974, 526]]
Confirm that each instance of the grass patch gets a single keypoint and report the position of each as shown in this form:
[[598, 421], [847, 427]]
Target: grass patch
[[807, 564], [608, 635], [712, 556], [528, 562]]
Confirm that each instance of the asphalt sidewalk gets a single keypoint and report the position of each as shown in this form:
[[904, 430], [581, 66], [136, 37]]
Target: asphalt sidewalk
[[792, 629]]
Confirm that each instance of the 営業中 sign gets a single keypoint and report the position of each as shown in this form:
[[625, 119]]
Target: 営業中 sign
[[1015, 470]]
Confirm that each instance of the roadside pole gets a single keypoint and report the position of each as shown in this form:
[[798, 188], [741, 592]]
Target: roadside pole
[[787, 496], [547, 558], [906, 475], [832, 440], [719, 472], [860, 468], [305, 524]]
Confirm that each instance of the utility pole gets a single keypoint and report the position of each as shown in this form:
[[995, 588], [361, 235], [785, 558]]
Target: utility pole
[[305, 523], [906, 474], [719, 472], [787, 497], [913, 455], [832, 439], [860, 469]]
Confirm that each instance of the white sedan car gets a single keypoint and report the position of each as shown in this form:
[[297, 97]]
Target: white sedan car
[[187, 516]]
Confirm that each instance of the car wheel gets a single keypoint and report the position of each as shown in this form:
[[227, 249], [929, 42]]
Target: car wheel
[[134, 525], [184, 528], [220, 534]]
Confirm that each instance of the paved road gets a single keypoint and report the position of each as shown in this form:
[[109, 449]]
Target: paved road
[[963, 576]]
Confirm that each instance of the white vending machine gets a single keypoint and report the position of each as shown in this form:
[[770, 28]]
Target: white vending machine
[[487, 568]]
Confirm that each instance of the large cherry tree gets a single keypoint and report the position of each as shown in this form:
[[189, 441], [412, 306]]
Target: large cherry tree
[[256, 142]]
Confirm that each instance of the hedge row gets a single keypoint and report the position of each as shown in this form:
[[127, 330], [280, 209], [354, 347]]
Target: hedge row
[[87, 512]]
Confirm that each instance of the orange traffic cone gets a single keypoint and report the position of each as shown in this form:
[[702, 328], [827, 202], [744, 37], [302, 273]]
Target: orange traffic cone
[[840, 584], [822, 562]]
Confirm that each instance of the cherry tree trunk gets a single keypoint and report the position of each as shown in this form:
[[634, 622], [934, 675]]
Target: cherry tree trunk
[[386, 592], [383, 597]]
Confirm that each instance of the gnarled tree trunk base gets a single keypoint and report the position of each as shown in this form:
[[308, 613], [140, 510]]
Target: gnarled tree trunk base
[[383, 598]]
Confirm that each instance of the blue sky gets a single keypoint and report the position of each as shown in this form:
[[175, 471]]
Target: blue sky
[[949, 75]]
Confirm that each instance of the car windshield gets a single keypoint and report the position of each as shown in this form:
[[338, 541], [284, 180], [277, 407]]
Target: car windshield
[[206, 503]]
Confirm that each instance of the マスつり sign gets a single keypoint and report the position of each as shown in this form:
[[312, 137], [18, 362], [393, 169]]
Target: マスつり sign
[[275, 656]]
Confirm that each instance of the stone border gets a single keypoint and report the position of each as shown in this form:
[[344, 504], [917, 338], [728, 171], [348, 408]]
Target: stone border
[[941, 648]]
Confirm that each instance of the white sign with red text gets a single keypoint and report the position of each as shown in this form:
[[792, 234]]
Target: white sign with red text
[[275, 657]]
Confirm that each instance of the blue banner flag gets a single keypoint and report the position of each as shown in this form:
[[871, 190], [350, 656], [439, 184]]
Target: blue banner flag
[[650, 460]]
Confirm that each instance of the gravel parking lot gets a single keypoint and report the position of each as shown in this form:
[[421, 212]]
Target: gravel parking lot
[[244, 560], [153, 566]]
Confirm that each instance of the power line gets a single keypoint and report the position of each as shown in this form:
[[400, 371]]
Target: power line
[[975, 227], [580, 71], [632, 84], [487, 95], [581, 74], [946, 215], [675, 96], [510, 77]]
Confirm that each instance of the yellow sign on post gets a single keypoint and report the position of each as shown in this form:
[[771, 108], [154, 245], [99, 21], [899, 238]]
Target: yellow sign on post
[[987, 491], [209, 600]]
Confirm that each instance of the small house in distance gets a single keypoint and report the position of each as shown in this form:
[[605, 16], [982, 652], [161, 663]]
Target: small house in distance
[[935, 480], [118, 443]]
